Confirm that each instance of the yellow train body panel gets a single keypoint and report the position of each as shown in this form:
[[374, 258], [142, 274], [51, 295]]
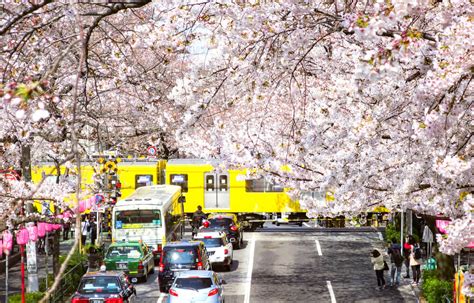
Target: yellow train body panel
[[240, 200]]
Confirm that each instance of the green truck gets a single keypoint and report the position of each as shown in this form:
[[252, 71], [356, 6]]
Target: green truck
[[134, 258]]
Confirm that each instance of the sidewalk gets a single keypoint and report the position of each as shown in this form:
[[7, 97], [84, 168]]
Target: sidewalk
[[14, 272]]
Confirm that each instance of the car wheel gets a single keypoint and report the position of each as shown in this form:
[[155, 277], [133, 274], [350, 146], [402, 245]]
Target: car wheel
[[278, 224]]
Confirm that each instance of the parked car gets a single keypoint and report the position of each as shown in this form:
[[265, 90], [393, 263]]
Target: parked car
[[197, 286], [105, 287], [230, 225], [220, 250], [134, 258], [179, 256]]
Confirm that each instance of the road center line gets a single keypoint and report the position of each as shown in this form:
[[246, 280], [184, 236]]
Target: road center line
[[318, 247], [161, 298], [331, 292], [250, 269]]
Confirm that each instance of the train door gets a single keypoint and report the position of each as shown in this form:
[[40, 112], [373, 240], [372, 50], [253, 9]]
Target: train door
[[216, 191]]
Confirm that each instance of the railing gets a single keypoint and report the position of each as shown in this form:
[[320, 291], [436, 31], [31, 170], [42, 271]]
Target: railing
[[68, 283]]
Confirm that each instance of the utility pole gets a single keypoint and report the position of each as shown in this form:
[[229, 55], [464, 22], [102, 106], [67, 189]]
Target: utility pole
[[31, 265]]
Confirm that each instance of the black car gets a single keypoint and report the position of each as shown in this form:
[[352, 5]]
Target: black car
[[104, 287], [179, 256], [230, 224]]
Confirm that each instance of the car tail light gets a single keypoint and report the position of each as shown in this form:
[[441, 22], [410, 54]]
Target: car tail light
[[173, 292], [140, 265], [213, 292], [233, 228], [77, 300], [114, 300], [199, 265], [226, 251], [161, 267]]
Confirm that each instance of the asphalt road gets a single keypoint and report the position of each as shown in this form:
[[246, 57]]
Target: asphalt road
[[300, 264]]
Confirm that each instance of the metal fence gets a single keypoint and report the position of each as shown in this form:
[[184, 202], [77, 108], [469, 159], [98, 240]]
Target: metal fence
[[68, 283]]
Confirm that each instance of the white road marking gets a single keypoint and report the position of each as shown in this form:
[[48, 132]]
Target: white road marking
[[161, 298], [331, 292], [306, 224], [380, 236], [318, 247], [250, 269]]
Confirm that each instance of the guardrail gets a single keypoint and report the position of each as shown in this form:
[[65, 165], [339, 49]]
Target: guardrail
[[68, 283]]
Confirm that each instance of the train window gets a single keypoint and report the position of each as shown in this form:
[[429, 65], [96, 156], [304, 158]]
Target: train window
[[261, 185], [181, 180], [210, 183], [143, 180], [222, 183]]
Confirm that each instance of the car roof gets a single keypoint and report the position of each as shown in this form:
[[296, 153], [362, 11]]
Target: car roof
[[221, 215], [183, 243], [195, 273], [126, 243], [109, 273], [213, 234]]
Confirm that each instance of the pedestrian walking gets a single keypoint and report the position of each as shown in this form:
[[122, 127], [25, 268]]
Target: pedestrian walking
[[396, 262], [85, 227], [415, 263], [66, 229], [93, 230], [409, 241], [376, 258]]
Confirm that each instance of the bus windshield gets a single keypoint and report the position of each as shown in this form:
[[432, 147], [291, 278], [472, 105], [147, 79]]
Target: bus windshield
[[137, 218]]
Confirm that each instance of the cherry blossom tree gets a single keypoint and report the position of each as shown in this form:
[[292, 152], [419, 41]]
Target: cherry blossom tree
[[370, 101]]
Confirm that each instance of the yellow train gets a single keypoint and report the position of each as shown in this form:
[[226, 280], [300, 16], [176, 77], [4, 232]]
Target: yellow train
[[203, 183]]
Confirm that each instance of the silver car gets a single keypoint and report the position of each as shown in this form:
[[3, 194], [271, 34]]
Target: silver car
[[197, 286]]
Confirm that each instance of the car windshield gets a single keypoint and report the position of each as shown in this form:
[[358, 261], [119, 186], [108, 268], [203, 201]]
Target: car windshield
[[180, 255], [194, 282], [123, 251], [220, 222], [103, 285], [212, 242]]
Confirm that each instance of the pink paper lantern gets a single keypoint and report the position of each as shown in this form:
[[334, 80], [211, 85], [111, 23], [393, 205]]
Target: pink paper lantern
[[41, 229], [49, 227], [56, 226], [67, 214], [7, 241], [22, 236], [60, 216], [1, 248], [88, 203], [82, 206], [33, 233]]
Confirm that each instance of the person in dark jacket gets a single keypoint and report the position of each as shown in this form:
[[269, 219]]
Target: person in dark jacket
[[198, 217], [93, 230], [396, 262]]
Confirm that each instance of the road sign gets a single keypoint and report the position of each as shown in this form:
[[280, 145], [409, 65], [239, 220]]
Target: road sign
[[151, 150]]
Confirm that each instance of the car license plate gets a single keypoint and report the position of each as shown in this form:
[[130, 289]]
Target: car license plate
[[122, 265], [211, 253], [96, 300]]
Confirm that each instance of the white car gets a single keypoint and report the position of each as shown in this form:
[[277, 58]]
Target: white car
[[220, 250]]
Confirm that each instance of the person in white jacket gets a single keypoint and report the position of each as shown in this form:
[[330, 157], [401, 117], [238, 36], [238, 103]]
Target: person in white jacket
[[377, 260]]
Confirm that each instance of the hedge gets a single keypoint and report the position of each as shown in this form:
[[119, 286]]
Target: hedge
[[435, 290], [31, 297]]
